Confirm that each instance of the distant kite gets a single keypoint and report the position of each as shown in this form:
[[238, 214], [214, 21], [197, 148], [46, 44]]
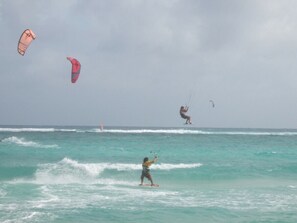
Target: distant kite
[[75, 71], [212, 103], [25, 40]]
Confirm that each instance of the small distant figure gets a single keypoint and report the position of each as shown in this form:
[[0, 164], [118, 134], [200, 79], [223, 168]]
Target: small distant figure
[[183, 110], [212, 103], [146, 170], [101, 127]]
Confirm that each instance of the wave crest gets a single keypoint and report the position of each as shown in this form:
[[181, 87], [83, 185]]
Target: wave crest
[[26, 143], [72, 171], [187, 131]]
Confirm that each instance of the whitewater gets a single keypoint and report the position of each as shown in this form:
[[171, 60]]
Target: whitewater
[[86, 174]]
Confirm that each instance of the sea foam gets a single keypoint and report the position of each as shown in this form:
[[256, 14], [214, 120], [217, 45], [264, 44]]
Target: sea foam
[[26, 143], [72, 171], [176, 131]]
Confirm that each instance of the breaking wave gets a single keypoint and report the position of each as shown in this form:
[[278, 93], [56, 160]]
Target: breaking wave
[[181, 131], [26, 143], [72, 171]]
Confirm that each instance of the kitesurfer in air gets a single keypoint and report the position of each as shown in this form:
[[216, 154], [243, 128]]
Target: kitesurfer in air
[[183, 110], [146, 170]]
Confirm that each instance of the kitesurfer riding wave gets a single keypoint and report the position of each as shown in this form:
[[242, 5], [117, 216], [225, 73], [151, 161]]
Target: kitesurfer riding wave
[[146, 170]]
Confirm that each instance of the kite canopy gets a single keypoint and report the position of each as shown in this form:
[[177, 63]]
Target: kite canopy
[[75, 71], [25, 40]]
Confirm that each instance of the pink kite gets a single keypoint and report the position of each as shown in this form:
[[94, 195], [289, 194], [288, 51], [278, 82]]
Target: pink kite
[[75, 71], [26, 38]]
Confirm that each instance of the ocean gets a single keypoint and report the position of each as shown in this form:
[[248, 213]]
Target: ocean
[[85, 174]]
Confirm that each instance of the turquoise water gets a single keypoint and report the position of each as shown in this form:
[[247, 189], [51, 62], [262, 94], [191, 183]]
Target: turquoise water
[[83, 174]]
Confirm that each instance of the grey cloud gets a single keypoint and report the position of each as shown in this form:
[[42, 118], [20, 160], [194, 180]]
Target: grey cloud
[[142, 59]]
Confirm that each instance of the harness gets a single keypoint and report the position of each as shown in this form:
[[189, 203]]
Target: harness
[[183, 115], [145, 169]]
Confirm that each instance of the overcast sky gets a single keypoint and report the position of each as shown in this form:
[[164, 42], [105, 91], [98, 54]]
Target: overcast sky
[[142, 59]]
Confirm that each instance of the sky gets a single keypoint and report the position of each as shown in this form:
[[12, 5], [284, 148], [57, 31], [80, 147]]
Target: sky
[[143, 59]]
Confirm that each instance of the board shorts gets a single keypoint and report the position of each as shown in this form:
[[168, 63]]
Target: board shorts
[[184, 116], [146, 174]]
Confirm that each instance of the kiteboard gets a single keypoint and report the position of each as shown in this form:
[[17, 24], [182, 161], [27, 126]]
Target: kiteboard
[[188, 125], [149, 185]]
